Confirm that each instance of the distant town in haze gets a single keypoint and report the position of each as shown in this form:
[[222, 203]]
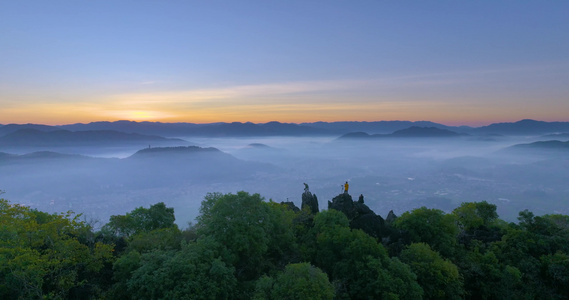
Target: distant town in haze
[[284, 149], [101, 169]]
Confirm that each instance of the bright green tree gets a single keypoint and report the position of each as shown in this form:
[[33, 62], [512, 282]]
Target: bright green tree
[[430, 226], [140, 220], [258, 235], [42, 256], [473, 215], [298, 281], [439, 278], [197, 271], [358, 266], [485, 277]]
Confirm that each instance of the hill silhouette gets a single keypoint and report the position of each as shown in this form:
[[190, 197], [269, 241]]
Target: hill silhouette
[[34, 137], [543, 145], [40, 155], [239, 129], [212, 129], [10, 128], [411, 132], [416, 131], [524, 127], [180, 153]]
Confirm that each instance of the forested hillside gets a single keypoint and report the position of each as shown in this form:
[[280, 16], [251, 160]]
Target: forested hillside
[[243, 247]]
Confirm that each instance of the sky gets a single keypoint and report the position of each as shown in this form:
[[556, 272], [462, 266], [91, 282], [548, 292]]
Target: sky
[[452, 62]]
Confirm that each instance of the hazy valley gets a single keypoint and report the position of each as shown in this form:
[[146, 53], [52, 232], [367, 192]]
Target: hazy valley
[[103, 169]]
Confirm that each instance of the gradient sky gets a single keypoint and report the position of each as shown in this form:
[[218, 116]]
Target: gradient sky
[[453, 62]]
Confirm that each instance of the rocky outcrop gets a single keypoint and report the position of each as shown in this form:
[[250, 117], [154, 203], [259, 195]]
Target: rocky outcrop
[[359, 214], [390, 217], [290, 205], [310, 202]]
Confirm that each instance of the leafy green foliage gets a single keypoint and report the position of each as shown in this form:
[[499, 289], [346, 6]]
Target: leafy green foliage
[[255, 232], [537, 246], [473, 215], [42, 256], [141, 220], [485, 277], [297, 281], [357, 264], [197, 271], [243, 247], [430, 226], [439, 277]]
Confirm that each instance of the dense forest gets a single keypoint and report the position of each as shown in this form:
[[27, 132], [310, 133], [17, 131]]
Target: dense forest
[[243, 247]]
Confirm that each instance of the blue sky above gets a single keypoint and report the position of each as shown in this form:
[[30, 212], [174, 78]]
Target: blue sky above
[[454, 62]]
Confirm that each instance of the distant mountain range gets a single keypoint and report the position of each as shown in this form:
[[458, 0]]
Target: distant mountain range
[[204, 130], [524, 127], [379, 127], [36, 137], [411, 132], [237, 129]]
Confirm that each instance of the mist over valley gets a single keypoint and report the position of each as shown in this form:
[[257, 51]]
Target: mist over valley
[[107, 170]]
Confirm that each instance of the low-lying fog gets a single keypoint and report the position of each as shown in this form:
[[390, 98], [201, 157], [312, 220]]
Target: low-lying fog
[[392, 173]]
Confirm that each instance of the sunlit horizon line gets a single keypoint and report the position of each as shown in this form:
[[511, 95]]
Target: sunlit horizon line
[[164, 121]]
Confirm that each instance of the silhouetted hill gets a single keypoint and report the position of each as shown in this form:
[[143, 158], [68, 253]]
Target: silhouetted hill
[[167, 165], [411, 132], [210, 130], [34, 137], [154, 128], [545, 145], [379, 127], [258, 146], [416, 131], [36, 159], [10, 128], [51, 155], [524, 127], [170, 152], [356, 135], [238, 129], [163, 167]]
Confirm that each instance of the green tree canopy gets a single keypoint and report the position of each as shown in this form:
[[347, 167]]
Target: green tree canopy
[[360, 267], [298, 281], [472, 215], [41, 255], [197, 271], [256, 233], [141, 220], [439, 278], [431, 226]]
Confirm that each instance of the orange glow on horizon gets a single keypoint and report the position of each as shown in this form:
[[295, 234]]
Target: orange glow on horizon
[[141, 116], [439, 112]]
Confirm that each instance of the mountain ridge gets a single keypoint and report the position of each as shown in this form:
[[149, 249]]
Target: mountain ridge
[[411, 132], [274, 128], [35, 137]]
